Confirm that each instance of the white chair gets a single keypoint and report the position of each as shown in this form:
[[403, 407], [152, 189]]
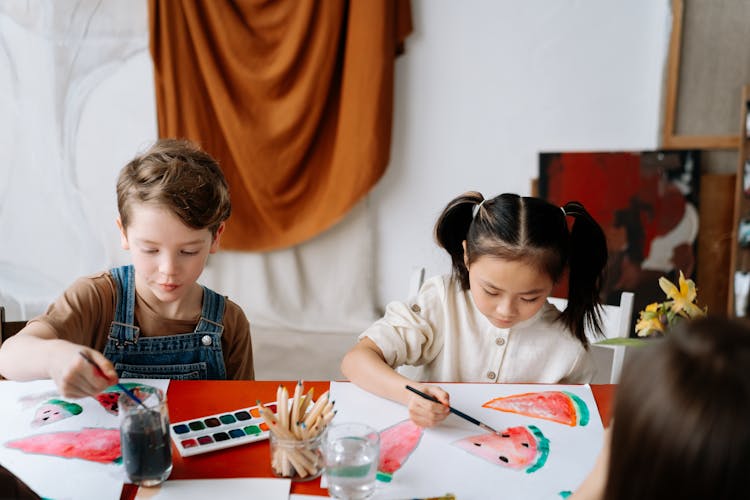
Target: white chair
[[616, 322]]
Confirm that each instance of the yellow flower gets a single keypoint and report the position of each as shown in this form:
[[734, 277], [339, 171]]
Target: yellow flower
[[651, 320], [647, 324], [682, 302], [657, 318]]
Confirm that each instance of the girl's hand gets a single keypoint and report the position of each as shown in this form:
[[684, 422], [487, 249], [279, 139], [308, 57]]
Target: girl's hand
[[74, 376], [426, 413]]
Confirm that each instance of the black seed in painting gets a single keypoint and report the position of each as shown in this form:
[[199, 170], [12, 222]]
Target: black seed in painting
[[502, 458]]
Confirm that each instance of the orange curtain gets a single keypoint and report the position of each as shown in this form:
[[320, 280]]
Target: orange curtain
[[293, 97]]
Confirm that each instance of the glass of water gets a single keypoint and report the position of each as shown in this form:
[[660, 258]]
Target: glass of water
[[351, 453], [144, 439]]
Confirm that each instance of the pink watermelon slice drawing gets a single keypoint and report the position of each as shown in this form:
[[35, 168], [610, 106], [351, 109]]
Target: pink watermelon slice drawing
[[520, 448], [558, 406], [91, 443], [111, 395], [54, 410], [397, 443]]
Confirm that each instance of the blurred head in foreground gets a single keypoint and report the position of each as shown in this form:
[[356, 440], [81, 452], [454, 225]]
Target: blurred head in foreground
[[681, 424]]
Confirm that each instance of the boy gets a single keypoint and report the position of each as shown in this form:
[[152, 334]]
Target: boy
[[151, 319]]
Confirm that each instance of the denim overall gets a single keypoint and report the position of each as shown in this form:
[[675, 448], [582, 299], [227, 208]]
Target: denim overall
[[186, 356]]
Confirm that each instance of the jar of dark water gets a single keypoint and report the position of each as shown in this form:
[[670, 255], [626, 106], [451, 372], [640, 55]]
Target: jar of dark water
[[144, 438]]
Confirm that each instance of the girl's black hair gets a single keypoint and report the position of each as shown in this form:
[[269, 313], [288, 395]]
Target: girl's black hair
[[535, 231]]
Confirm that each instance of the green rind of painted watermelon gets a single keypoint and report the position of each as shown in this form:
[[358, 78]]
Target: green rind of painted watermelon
[[582, 409], [384, 477], [73, 408], [128, 385], [542, 447]]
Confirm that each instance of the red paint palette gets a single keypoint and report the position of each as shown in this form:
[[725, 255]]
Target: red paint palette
[[219, 431]]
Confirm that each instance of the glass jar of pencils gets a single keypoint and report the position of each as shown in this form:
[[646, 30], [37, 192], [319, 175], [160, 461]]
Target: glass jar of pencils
[[297, 459]]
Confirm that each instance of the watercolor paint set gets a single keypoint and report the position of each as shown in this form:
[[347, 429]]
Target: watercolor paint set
[[219, 431]]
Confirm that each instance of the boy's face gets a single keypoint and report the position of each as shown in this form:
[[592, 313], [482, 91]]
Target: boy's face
[[168, 256], [507, 292]]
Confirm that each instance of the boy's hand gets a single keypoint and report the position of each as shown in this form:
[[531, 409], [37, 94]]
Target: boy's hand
[[74, 376], [426, 413]]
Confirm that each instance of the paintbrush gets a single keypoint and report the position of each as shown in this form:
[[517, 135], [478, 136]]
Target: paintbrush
[[454, 411], [119, 385]]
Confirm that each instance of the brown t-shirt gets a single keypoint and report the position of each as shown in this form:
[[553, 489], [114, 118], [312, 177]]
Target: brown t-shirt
[[84, 312]]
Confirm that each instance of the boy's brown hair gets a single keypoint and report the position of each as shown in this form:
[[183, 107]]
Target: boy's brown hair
[[177, 175]]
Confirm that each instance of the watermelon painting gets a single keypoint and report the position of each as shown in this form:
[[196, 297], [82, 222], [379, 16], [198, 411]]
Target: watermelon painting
[[93, 444], [520, 448], [558, 406], [54, 410], [111, 395], [397, 442]]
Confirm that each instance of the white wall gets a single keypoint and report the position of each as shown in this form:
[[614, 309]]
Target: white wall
[[486, 85], [76, 102], [483, 87]]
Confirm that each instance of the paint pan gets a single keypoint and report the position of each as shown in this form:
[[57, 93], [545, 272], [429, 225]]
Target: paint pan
[[219, 431]]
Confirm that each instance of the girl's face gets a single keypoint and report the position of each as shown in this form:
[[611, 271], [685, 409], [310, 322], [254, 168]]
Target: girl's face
[[506, 291], [168, 256]]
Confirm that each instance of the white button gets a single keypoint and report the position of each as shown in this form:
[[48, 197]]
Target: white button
[[500, 341], [206, 340], [491, 375]]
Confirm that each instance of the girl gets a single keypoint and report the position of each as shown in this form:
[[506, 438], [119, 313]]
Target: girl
[[686, 399], [490, 320]]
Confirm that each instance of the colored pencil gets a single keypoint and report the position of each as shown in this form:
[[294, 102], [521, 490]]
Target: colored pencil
[[293, 422], [282, 408], [306, 399], [294, 417], [317, 409]]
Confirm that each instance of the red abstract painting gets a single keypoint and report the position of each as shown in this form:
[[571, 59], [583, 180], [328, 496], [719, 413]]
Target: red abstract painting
[[647, 205]]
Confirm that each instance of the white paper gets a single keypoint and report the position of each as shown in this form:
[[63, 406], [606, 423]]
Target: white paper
[[200, 489], [437, 466], [52, 476]]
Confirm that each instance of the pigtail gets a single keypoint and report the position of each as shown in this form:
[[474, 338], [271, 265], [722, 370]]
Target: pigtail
[[451, 229], [587, 260]]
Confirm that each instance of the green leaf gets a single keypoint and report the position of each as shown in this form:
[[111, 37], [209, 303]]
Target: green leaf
[[626, 341]]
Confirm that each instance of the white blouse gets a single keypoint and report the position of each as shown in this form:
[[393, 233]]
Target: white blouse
[[443, 334]]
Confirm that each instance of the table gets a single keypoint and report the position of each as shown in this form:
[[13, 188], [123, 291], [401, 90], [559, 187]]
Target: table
[[193, 399]]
